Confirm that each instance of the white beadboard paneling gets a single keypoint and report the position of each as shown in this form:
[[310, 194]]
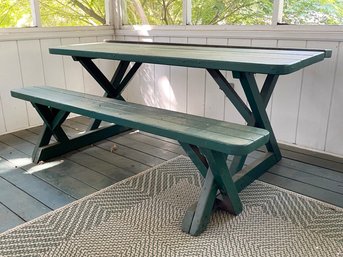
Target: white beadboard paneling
[[214, 97], [2, 119], [144, 82], [231, 113], [163, 90], [14, 110], [32, 72], [178, 79], [315, 99], [196, 85], [260, 78], [53, 64], [72, 69], [334, 141], [107, 66], [91, 86], [133, 92], [286, 100]]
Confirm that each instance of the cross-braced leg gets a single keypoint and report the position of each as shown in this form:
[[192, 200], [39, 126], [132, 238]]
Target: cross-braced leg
[[217, 179], [53, 120]]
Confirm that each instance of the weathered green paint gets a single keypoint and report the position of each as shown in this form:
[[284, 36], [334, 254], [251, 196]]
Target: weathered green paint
[[243, 59], [223, 179], [204, 206], [222, 136], [198, 160], [258, 104]]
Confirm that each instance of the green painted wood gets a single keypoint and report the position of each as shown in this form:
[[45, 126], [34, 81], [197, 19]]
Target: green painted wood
[[253, 171], [221, 136], [199, 161], [257, 105], [223, 179], [8, 219], [90, 137], [268, 61], [205, 205]]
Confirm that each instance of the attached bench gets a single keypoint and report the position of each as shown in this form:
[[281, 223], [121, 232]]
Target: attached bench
[[208, 142]]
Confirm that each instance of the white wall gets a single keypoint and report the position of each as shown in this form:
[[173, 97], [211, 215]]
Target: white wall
[[305, 109], [25, 61]]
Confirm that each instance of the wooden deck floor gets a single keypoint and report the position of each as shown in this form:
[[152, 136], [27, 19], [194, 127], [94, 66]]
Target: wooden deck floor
[[28, 190]]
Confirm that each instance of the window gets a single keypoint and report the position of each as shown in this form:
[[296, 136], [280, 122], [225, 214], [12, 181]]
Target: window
[[212, 12], [48, 13], [72, 13], [154, 12], [15, 13], [313, 12], [243, 12]]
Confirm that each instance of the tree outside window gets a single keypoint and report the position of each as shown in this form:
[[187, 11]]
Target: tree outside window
[[231, 12], [18, 13]]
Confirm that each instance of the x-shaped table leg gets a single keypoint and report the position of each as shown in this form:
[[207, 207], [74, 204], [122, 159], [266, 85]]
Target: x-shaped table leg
[[113, 88], [212, 165]]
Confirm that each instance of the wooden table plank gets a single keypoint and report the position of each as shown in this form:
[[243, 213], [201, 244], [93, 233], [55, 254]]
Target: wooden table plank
[[267, 61]]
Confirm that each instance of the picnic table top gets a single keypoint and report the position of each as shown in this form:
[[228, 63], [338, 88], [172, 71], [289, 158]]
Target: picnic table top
[[233, 58]]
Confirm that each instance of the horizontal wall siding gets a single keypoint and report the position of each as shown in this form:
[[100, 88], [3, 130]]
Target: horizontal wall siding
[[28, 62], [305, 109]]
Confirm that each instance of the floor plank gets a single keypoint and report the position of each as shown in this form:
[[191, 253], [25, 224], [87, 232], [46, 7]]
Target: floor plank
[[304, 189], [8, 219], [34, 186], [24, 205]]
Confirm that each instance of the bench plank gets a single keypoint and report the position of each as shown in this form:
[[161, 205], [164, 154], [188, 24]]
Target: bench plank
[[209, 133]]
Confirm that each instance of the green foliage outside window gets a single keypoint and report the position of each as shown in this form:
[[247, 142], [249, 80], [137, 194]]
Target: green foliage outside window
[[244, 12], [17, 13], [315, 12], [72, 12], [248, 12]]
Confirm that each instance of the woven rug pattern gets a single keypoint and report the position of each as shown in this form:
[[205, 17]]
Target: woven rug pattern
[[142, 216]]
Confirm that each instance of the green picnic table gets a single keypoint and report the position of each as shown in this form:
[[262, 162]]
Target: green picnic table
[[206, 141], [244, 62]]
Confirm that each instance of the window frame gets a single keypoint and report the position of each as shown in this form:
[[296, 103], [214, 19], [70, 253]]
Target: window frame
[[277, 16]]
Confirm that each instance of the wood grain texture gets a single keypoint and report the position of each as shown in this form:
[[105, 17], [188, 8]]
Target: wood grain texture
[[218, 135], [267, 61]]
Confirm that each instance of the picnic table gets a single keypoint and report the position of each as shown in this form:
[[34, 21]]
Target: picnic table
[[207, 142], [244, 62]]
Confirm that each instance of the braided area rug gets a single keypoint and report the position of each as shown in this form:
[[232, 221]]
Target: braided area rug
[[142, 215]]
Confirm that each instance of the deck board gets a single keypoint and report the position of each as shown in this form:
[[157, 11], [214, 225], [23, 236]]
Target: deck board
[[8, 219], [79, 173]]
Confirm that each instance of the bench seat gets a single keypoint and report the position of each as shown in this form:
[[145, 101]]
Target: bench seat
[[230, 138], [208, 142]]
